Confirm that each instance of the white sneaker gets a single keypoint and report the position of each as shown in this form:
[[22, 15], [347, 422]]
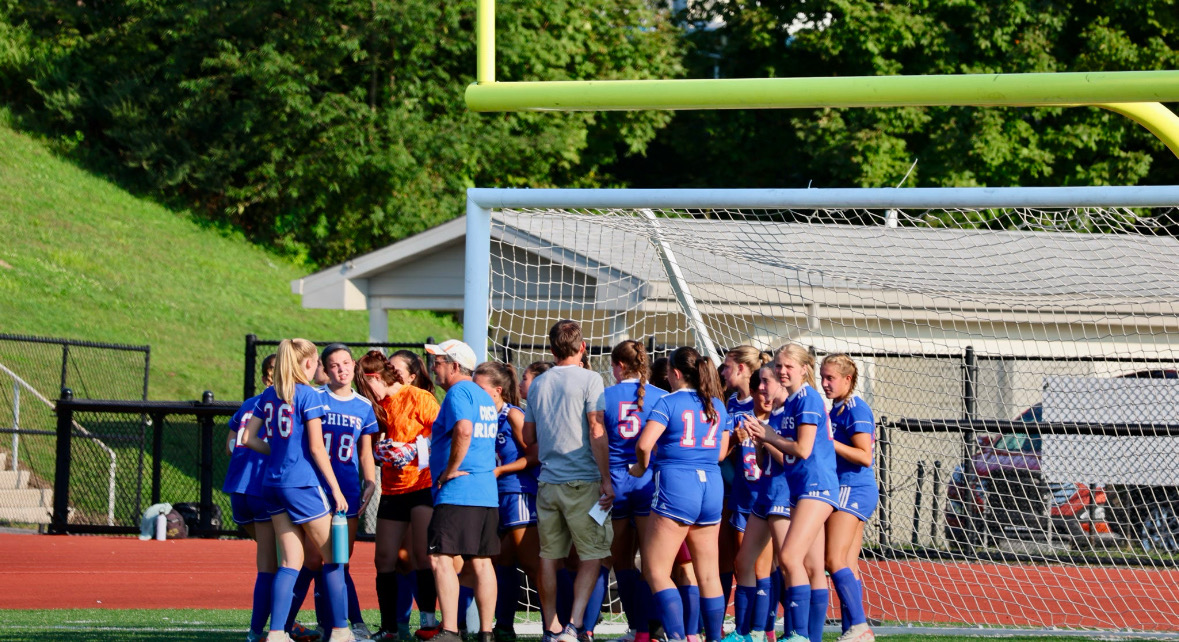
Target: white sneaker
[[858, 633], [342, 635]]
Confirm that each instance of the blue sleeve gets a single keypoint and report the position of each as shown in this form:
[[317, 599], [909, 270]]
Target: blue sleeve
[[308, 403], [862, 419], [459, 406], [369, 423], [813, 411], [660, 414], [726, 418], [235, 422], [259, 408]]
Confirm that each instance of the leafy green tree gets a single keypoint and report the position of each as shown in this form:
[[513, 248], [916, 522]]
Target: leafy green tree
[[325, 127], [950, 146]]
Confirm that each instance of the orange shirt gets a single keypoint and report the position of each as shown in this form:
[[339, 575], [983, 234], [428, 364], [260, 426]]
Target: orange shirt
[[411, 412]]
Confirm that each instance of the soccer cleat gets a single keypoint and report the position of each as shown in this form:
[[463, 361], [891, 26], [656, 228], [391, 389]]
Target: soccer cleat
[[383, 636], [503, 634], [442, 635], [858, 633], [360, 630], [255, 637], [568, 635], [735, 637], [629, 636], [585, 636], [794, 637], [300, 633], [428, 632], [485, 636], [278, 636]]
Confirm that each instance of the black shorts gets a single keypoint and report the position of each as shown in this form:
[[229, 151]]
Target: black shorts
[[470, 531], [398, 507]]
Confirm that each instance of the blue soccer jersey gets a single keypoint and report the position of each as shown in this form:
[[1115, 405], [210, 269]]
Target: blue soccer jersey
[[246, 466], [624, 421], [816, 473], [690, 440], [466, 400], [508, 450], [848, 418], [290, 464], [346, 420], [748, 473]]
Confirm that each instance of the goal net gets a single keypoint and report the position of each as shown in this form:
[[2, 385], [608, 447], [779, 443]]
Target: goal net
[[1018, 348]]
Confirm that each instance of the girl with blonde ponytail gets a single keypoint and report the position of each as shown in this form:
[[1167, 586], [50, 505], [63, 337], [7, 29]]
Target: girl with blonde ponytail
[[291, 411]]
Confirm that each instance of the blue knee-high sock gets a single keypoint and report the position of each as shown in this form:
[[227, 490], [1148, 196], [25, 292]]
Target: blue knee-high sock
[[354, 614], [726, 587], [281, 597], [774, 587], [337, 595], [628, 591], [743, 603], [844, 617], [507, 582], [564, 595], [671, 610], [407, 586], [819, 599], [761, 604], [712, 611], [849, 602], [647, 607], [263, 590], [800, 609], [690, 594], [302, 583], [466, 596], [859, 601], [593, 608], [323, 609]]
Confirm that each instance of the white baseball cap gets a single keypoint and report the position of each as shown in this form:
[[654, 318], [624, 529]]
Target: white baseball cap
[[456, 351]]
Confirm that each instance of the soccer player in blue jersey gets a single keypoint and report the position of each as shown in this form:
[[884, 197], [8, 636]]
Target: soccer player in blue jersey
[[462, 532], [688, 431], [349, 428], [756, 600], [854, 428], [515, 478], [627, 404], [291, 413], [801, 431], [243, 483]]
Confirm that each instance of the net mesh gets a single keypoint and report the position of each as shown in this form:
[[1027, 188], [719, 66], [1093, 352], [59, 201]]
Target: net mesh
[[1016, 491]]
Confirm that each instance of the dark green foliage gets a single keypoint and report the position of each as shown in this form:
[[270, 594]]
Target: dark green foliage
[[952, 146], [327, 128]]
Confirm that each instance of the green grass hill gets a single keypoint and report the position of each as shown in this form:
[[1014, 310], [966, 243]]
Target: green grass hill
[[83, 259]]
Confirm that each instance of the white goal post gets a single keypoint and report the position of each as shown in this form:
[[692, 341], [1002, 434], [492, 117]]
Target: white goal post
[[960, 306]]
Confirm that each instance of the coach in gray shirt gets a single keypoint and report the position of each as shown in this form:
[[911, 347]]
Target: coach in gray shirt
[[564, 420]]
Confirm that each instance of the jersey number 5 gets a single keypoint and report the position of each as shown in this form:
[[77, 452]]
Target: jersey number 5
[[628, 422]]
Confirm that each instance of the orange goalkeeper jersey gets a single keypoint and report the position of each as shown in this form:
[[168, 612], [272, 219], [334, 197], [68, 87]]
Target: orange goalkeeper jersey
[[411, 412]]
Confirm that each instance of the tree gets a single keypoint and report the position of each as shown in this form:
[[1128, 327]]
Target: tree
[[951, 146], [326, 128]]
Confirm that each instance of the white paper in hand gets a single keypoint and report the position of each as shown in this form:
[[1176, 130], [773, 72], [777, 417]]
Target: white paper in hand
[[423, 452], [599, 514]]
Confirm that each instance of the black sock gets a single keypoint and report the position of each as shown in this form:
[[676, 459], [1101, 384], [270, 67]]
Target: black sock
[[387, 600], [427, 592]]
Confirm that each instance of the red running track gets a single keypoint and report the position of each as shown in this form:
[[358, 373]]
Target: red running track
[[44, 572]]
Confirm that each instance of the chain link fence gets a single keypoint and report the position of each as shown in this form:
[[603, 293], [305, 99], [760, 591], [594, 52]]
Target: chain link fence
[[33, 371]]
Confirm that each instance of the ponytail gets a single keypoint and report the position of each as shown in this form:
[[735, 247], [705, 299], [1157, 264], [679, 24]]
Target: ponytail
[[503, 376], [288, 366], [701, 375], [417, 370], [373, 364], [632, 356]]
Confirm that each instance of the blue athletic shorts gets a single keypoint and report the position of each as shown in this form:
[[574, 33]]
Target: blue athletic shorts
[[738, 520], [691, 496], [516, 510], [632, 495], [825, 496], [774, 499], [248, 509], [860, 501], [353, 504], [302, 503]]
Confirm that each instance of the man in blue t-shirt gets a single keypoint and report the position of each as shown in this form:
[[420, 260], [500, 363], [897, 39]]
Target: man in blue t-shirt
[[466, 504]]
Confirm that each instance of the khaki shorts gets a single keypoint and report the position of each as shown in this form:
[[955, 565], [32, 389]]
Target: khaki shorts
[[562, 518]]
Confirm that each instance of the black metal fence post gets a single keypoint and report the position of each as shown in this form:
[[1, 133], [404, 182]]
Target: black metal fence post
[[157, 454], [206, 464], [917, 502], [937, 493], [251, 366], [61, 475], [882, 467]]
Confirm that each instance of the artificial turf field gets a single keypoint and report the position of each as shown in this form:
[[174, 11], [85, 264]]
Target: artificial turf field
[[217, 625]]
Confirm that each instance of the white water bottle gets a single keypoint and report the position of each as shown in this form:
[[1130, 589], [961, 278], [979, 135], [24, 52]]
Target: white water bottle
[[161, 527]]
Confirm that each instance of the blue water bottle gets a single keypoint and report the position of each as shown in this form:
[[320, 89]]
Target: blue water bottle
[[340, 538]]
